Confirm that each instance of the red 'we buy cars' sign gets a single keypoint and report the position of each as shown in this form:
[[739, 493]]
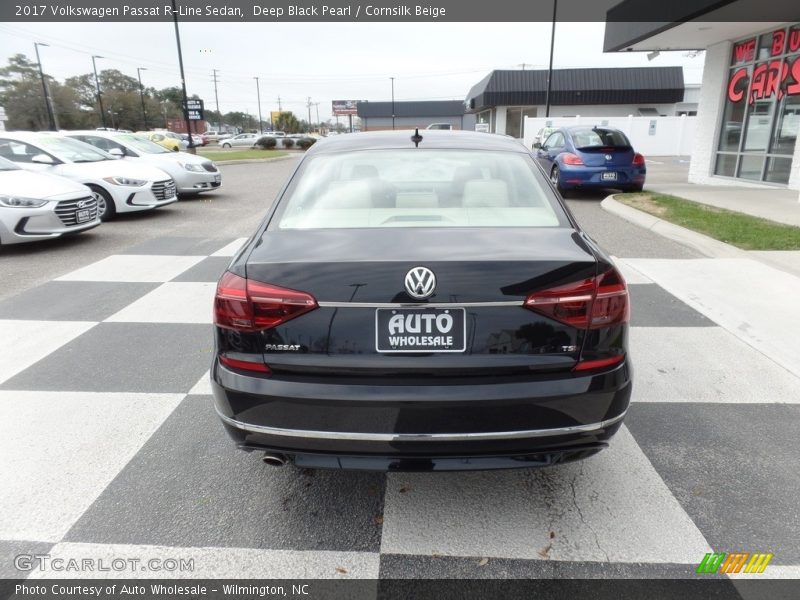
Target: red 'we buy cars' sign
[[778, 76]]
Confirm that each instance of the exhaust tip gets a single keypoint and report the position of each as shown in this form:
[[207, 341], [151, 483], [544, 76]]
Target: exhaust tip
[[274, 460]]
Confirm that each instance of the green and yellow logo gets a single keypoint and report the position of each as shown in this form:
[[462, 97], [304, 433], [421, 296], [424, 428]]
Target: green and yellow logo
[[734, 562]]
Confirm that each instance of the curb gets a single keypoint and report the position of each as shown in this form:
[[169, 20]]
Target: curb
[[702, 243], [247, 161]]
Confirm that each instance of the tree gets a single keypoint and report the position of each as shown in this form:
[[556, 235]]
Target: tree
[[21, 94], [287, 122]]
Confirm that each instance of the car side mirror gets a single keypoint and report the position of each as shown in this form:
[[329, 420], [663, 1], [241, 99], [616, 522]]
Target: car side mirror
[[537, 146], [118, 152], [43, 159]]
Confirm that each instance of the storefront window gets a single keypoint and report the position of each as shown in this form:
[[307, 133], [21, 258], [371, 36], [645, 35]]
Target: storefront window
[[761, 117]]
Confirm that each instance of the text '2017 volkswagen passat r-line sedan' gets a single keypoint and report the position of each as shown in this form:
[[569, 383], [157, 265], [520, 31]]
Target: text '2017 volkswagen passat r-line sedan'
[[421, 302]]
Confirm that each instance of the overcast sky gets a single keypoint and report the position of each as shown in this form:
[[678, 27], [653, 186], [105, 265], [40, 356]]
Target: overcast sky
[[333, 61]]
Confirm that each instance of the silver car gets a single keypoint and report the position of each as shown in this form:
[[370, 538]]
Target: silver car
[[38, 206], [246, 140], [117, 185], [190, 172]]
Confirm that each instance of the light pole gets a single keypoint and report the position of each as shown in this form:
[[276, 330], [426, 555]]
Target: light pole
[[392, 78], [141, 93], [550, 67], [97, 86], [191, 148], [216, 99], [258, 95], [50, 118]]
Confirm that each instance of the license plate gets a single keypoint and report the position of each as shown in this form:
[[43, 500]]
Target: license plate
[[217, 178], [609, 176], [420, 330], [83, 215]]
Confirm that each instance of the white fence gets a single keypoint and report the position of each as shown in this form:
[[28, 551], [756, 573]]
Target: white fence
[[652, 136]]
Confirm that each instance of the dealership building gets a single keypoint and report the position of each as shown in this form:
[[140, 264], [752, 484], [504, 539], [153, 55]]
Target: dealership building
[[503, 98], [749, 105]]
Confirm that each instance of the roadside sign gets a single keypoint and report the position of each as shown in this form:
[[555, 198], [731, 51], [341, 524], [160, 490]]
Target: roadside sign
[[482, 127], [341, 108], [195, 109]]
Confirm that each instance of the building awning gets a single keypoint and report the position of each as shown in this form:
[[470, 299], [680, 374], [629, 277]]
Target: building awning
[[639, 85]]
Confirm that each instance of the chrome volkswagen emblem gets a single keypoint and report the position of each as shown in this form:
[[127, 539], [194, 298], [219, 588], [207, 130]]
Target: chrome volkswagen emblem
[[420, 282], [609, 157]]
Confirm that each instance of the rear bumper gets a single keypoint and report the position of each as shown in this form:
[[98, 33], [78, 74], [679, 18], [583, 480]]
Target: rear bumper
[[586, 177], [424, 427]]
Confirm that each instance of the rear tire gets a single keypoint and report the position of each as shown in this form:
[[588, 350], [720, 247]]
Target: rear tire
[[636, 188], [105, 204], [555, 178], [226, 145]]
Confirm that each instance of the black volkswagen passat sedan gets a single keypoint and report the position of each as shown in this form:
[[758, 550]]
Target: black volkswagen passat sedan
[[421, 302]]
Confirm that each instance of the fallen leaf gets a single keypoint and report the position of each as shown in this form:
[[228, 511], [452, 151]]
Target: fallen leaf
[[545, 552], [405, 489], [483, 562], [378, 520], [341, 570], [552, 534]]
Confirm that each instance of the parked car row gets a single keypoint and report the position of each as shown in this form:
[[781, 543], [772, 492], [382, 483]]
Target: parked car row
[[53, 184]]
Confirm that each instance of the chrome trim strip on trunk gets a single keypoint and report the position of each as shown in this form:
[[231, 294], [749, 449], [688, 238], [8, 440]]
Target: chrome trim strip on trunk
[[417, 304], [419, 437]]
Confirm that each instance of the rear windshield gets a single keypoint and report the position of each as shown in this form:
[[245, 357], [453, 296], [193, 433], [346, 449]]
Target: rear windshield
[[589, 138], [418, 188]]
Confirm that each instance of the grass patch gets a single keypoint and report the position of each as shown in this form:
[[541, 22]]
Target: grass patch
[[220, 155], [735, 228]]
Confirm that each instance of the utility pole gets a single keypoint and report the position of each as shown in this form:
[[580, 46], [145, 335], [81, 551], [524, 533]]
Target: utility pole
[[99, 95], [216, 99], [316, 104], [280, 109], [191, 147], [141, 94], [308, 106], [550, 67], [50, 120], [258, 95], [392, 78]]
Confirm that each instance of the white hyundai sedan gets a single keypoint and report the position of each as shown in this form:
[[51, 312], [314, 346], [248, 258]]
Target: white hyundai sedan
[[118, 186], [37, 206], [192, 174]]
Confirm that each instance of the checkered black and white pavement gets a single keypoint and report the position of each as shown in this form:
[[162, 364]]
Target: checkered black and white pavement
[[110, 447]]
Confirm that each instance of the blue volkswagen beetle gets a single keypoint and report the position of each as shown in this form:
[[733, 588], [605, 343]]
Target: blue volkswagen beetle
[[583, 157]]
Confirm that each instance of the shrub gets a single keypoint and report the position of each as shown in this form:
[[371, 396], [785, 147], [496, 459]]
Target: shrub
[[266, 142], [288, 143], [305, 143]]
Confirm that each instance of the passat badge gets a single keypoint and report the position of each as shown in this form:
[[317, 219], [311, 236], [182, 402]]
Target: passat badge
[[420, 282]]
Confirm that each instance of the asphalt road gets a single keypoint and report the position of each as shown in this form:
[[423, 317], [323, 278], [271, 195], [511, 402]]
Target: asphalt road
[[233, 211]]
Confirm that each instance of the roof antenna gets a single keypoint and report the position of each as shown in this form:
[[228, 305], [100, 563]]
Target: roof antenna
[[416, 138]]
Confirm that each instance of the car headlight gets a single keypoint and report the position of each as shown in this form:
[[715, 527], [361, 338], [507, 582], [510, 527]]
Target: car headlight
[[125, 181], [194, 167], [20, 202]]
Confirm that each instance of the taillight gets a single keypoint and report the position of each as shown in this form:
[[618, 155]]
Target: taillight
[[246, 305], [572, 159], [244, 365], [592, 303], [638, 160]]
